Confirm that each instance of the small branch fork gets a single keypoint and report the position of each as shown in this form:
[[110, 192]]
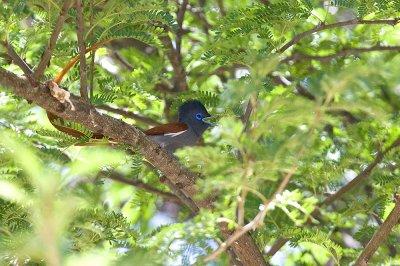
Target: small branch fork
[[380, 235], [257, 220]]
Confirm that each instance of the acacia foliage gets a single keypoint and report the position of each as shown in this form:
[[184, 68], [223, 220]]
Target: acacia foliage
[[323, 114]]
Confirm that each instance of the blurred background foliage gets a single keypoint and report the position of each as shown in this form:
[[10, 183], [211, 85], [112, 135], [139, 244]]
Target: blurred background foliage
[[324, 105]]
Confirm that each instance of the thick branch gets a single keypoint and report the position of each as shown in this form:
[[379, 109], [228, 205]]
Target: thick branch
[[347, 51], [82, 50], [52, 42], [381, 234], [297, 38], [132, 115], [121, 132]]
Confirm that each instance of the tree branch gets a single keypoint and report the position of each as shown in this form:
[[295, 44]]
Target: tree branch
[[121, 132], [17, 60], [82, 50], [52, 41], [301, 90], [132, 115], [321, 27], [362, 175], [199, 14], [347, 51], [174, 53], [381, 234], [122, 60], [113, 175], [179, 19]]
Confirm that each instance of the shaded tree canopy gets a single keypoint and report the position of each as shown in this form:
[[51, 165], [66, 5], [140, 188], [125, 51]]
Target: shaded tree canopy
[[301, 169]]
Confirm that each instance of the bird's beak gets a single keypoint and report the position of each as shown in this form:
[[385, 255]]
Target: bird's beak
[[206, 120]]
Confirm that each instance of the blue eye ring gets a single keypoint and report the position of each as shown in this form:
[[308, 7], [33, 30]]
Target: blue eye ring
[[199, 116]]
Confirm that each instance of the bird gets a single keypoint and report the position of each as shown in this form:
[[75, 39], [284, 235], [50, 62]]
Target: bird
[[193, 121]]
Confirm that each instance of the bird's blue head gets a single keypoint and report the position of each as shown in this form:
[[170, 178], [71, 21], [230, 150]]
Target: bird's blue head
[[195, 115]]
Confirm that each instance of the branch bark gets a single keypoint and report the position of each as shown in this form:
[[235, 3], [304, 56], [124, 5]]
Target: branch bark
[[82, 50], [297, 38], [381, 234], [121, 132], [52, 41]]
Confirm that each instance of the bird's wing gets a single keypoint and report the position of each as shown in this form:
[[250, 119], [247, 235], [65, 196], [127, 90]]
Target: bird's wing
[[167, 129]]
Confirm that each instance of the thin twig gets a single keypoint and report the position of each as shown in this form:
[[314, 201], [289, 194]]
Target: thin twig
[[221, 7], [297, 38], [132, 115], [301, 90], [113, 175], [256, 222], [52, 41], [381, 234], [362, 175], [251, 104], [175, 190], [82, 50], [199, 14], [122, 60], [347, 51], [276, 246], [17, 60]]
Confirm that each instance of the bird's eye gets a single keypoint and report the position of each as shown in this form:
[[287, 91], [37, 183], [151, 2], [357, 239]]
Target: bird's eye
[[199, 116]]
